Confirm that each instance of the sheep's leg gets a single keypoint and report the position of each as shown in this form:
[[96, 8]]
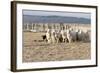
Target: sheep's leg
[[49, 40], [57, 40], [63, 40], [66, 40], [70, 40]]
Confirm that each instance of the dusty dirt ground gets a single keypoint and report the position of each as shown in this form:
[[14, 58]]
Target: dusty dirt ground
[[39, 51]]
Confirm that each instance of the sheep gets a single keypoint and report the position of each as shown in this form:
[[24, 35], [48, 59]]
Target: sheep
[[48, 36], [58, 36], [72, 35], [82, 35], [64, 35], [77, 30], [87, 36], [69, 36], [53, 38]]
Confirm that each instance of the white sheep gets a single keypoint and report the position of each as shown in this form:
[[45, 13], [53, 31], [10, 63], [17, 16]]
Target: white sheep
[[48, 35], [58, 36], [69, 36], [53, 38], [64, 35]]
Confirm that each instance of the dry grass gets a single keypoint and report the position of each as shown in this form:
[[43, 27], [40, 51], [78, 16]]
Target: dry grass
[[35, 51]]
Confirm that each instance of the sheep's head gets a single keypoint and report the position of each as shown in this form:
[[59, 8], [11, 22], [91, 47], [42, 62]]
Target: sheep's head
[[48, 30]]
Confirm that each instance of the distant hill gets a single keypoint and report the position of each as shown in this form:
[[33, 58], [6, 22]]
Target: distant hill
[[54, 19]]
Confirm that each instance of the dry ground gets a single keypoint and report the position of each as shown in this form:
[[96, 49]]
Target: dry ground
[[36, 51]]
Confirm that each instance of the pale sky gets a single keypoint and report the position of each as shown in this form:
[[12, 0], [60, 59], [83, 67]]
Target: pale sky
[[56, 13]]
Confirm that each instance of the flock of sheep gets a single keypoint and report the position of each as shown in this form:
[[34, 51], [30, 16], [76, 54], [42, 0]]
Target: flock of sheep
[[69, 35]]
